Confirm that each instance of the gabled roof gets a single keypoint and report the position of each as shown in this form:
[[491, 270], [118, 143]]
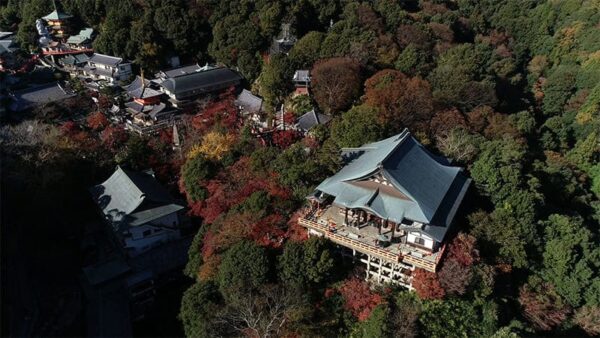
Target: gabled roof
[[201, 82], [427, 189], [31, 97], [56, 15], [249, 102], [311, 119], [106, 59], [84, 34], [125, 191]]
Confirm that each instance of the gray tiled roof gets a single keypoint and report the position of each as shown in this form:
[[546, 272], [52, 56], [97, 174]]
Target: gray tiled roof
[[301, 76], [84, 34], [31, 97], [201, 82], [421, 187], [249, 102], [125, 191], [103, 59], [311, 119]]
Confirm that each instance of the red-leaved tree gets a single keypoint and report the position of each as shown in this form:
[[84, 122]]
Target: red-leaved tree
[[542, 306], [359, 299], [220, 112], [427, 285], [97, 121], [284, 138]]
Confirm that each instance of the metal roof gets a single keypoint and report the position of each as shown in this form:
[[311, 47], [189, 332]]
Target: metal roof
[[201, 82], [427, 190]]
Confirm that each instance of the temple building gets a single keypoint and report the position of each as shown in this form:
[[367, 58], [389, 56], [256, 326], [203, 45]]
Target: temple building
[[283, 42], [301, 81], [8, 51], [146, 112], [139, 210], [106, 70], [83, 40], [58, 24], [391, 206], [310, 120], [186, 84]]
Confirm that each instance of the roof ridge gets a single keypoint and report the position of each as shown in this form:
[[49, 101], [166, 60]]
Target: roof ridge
[[401, 138]]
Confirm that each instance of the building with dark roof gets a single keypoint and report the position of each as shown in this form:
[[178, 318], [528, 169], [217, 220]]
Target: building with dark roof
[[8, 49], [107, 70], [393, 202], [146, 113], [58, 24], [183, 89], [311, 119], [249, 103], [38, 96], [140, 211], [82, 40]]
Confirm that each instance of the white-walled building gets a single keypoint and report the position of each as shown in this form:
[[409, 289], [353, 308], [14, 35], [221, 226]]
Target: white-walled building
[[141, 212], [107, 70]]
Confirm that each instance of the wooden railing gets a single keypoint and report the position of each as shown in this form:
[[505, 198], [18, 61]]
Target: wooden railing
[[366, 248], [351, 243], [418, 262]]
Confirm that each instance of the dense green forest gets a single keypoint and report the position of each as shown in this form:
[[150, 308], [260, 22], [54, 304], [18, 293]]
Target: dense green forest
[[508, 89]]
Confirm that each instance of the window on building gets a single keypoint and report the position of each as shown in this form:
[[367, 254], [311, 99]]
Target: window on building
[[146, 233], [420, 241]]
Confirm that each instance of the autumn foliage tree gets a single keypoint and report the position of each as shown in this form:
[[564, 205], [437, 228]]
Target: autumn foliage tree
[[360, 300], [336, 83], [97, 121], [542, 306], [427, 285], [220, 112], [402, 101]]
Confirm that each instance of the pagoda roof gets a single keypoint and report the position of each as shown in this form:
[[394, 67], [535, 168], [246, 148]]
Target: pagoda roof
[[397, 179], [56, 15]]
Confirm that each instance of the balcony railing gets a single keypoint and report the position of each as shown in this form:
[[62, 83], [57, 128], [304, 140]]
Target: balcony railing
[[368, 249]]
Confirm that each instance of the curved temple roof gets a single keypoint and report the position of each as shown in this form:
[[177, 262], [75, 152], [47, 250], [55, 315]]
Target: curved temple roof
[[396, 179]]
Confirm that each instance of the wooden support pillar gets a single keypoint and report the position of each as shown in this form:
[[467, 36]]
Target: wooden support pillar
[[346, 217], [368, 266]]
